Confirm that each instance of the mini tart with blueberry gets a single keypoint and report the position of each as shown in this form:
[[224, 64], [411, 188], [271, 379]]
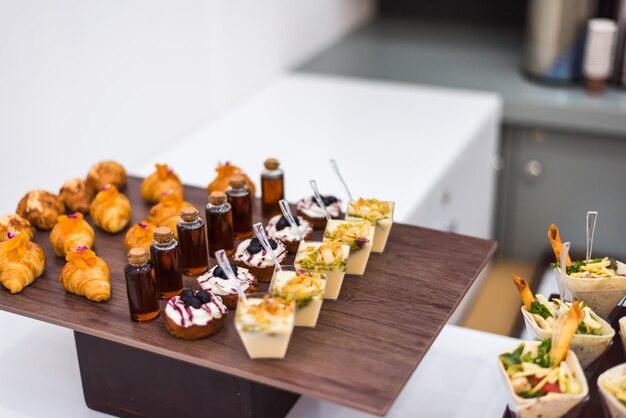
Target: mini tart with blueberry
[[251, 255], [216, 282], [193, 315], [278, 228], [309, 209]]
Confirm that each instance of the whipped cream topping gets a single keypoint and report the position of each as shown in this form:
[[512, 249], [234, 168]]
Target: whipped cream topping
[[261, 259], [225, 287], [288, 233], [310, 208], [186, 316], [251, 317]]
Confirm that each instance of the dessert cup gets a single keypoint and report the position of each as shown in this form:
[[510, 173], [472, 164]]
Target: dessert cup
[[258, 262], [308, 208], [552, 405], [191, 323], [607, 381], [279, 229], [601, 294], [304, 288], [264, 325], [359, 254], [382, 221], [334, 272], [218, 283], [586, 346]]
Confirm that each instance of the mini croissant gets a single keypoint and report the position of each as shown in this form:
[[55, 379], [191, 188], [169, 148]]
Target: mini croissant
[[21, 262], [72, 231], [77, 195], [87, 275], [110, 209], [40, 208], [14, 223], [106, 172], [159, 182], [140, 235], [167, 211]]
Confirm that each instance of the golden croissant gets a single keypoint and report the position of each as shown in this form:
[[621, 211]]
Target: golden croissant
[[72, 231], [110, 210], [40, 208], [167, 211], [161, 181], [140, 236], [86, 275], [21, 262], [106, 172], [14, 223]]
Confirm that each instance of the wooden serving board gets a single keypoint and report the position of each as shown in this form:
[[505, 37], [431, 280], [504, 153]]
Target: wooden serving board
[[362, 351]]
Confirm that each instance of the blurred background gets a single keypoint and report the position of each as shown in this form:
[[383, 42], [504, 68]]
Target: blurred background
[[135, 80]]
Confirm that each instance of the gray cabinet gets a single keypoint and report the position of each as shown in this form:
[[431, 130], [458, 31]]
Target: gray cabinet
[[556, 177]]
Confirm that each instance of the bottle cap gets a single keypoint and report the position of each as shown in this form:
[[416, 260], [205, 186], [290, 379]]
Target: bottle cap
[[271, 163], [217, 198], [163, 235], [237, 181], [137, 256], [189, 214]]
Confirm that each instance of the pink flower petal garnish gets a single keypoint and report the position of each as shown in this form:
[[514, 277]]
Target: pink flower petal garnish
[[105, 187], [11, 234], [142, 225], [81, 248], [73, 215]]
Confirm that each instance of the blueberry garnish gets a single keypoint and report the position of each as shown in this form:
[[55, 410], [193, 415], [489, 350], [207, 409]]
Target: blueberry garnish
[[327, 200], [218, 272], [256, 247], [284, 223], [204, 296], [186, 294], [194, 302]]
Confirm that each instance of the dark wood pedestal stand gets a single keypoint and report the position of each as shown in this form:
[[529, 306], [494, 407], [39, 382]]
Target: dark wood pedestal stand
[[130, 382]]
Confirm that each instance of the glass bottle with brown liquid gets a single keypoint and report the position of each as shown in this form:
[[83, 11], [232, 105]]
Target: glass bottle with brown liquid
[[272, 188], [192, 241], [240, 199], [219, 224], [166, 262], [143, 296]]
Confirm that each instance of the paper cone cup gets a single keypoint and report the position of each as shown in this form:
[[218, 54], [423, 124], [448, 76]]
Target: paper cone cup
[[615, 408], [587, 347], [553, 405], [602, 295], [622, 331]]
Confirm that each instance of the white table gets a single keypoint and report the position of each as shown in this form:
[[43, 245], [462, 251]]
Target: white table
[[405, 143]]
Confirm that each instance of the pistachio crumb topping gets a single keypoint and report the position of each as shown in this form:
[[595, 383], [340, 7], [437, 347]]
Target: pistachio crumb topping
[[370, 209]]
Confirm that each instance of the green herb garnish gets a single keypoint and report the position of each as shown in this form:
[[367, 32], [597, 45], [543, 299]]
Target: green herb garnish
[[539, 309]]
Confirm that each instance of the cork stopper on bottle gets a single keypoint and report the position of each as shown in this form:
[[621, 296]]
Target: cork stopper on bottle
[[137, 256], [217, 198], [237, 181], [163, 235], [271, 164], [189, 214]]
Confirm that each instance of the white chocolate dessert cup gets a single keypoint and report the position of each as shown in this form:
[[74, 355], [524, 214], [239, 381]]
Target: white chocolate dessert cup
[[587, 347], [615, 408], [306, 316], [382, 230], [601, 294], [264, 343], [357, 260], [334, 277], [552, 405]]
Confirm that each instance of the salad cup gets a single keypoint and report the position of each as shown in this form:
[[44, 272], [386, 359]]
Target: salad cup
[[611, 378], [601, 294], [552, 405]]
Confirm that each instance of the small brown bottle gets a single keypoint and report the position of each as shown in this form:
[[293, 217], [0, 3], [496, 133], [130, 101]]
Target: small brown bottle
[[272, 188], [240, 200], [219, 224], [192, 241], [143, 296], [166, 262]]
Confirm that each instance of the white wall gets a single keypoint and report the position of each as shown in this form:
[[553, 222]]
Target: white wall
[[127, 78]]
